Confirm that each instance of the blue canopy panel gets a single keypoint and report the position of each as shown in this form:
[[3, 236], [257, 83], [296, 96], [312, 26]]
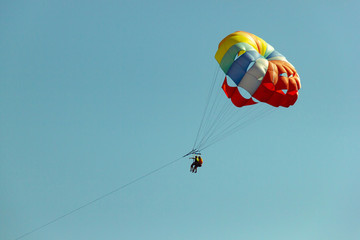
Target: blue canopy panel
[[240, 66], [275, 55]]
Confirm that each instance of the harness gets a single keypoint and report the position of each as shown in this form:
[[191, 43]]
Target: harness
[[199, 160]]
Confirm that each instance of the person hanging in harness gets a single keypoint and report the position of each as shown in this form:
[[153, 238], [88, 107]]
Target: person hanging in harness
[[197, 163]]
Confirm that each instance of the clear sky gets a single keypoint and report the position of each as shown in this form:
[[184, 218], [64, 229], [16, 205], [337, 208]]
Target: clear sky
[[94, 94]]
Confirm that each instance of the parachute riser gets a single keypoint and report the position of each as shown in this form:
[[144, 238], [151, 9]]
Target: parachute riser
[[193, 152]]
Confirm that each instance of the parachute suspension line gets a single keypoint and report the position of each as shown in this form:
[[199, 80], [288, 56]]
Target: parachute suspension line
[[212, 106], [236, 125], [230, 130], [223, 125], [213, 128], [235, 119], [218, 115], [240, 126], [219, 107], [221, 118], [218, 126], [211, 90], [98, 198], [209, 119], [213, 109]]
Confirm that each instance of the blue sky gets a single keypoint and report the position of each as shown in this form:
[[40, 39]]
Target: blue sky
[[94, 94]]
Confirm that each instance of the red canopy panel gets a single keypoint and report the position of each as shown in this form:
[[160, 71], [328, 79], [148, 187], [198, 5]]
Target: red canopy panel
[[271, 89], [280, 76], [235, 96]]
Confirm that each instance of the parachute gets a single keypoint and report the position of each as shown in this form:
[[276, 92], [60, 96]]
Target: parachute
[[258, 79], [257, 67]]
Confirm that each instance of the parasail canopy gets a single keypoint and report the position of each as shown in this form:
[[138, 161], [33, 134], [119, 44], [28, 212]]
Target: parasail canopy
[[257, 67]]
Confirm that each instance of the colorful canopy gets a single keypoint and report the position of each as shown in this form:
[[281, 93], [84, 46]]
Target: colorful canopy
[[257, 67]]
